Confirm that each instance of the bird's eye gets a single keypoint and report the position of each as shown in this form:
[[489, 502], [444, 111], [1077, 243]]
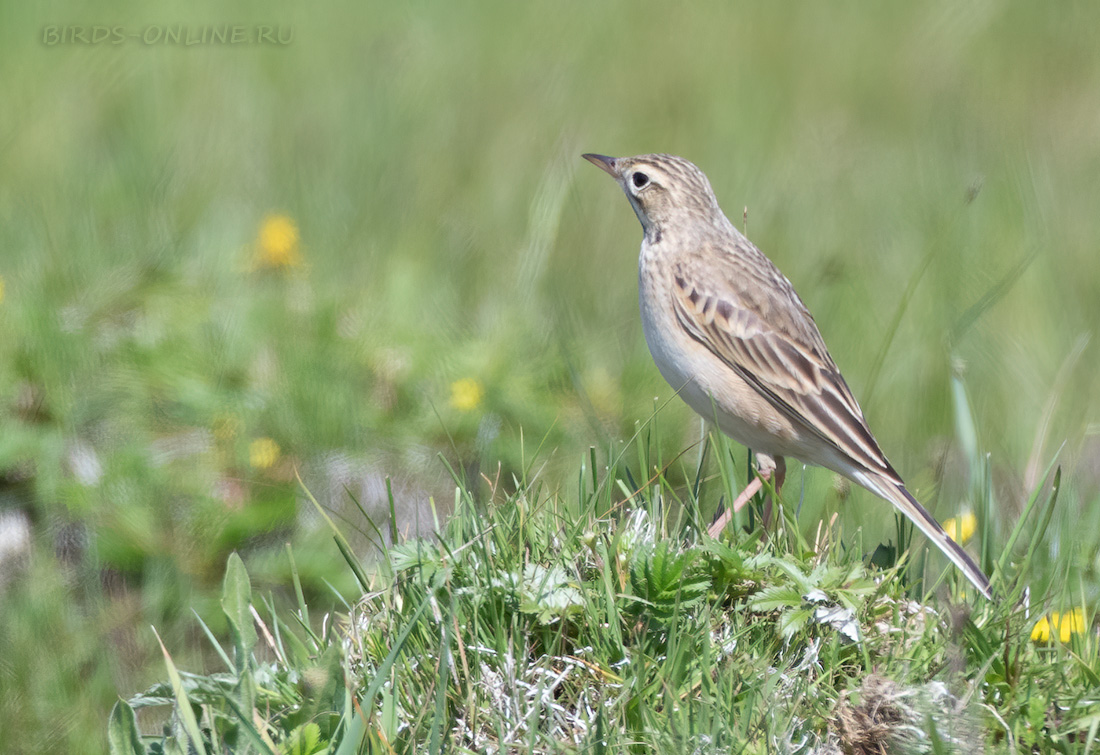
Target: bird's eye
[[639, 179]]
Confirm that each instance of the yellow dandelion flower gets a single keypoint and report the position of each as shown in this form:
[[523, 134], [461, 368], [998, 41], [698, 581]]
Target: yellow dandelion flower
[[1072, 623], [263, 453], [466, 394], [1041, 631], [1066, 624], [961, 529], [277, 243]]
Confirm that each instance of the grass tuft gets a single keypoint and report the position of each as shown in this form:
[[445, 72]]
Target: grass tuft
[[537, 622]]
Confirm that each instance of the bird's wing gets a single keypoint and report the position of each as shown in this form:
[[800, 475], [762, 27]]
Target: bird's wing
[[741, 308]]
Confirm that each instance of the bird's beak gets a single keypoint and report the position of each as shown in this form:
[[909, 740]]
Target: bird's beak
[[603, 162]]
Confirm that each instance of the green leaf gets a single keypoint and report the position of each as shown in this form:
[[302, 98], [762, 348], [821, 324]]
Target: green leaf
[[122, 731], [549, 593], [237, 605], [776, 598], [665, 578], [792, 621], [304, 740]]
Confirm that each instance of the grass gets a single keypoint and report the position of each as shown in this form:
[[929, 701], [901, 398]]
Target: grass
[[462, 283], [582, 622]]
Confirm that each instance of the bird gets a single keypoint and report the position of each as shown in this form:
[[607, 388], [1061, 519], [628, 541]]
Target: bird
[[730, 334]]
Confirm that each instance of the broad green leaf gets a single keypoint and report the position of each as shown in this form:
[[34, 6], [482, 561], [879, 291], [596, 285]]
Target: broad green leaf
[[237, 604], [122, 731]]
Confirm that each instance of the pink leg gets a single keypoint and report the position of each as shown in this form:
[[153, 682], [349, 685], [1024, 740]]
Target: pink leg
[[778, 469], [746, 495], [777, 478]]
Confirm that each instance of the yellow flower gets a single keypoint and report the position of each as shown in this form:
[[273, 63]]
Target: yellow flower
[[277, 244], [1041, 631], [466, 394], [962, 529], [1067, 624], [1071, 623], [263, 453]]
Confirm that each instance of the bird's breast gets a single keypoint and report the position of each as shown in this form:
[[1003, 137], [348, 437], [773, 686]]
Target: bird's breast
[[706, 383]]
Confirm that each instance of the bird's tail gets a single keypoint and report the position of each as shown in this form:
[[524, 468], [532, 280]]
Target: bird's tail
[[901, 498]]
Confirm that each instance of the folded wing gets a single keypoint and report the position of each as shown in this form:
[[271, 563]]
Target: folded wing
[[762, 330]]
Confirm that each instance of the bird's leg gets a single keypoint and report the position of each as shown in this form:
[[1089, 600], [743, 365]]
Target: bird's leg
[[767, 469], [778, 476], [746, 495]]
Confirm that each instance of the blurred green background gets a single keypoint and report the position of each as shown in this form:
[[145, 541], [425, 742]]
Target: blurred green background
[[377, 243]]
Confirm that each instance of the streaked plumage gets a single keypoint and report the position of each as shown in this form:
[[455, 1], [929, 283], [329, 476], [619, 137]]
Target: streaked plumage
[[728, 331]]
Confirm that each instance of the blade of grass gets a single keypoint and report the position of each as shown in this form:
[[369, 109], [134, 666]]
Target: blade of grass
[[1021, 523], [356, 729], [393, 511], [183, 703], [435, 744], [1037, 535], [248, 726], [338, 536], [214, 641], [303, 609]]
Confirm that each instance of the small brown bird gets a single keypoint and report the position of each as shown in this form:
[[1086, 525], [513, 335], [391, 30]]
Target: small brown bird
[[729, 333]]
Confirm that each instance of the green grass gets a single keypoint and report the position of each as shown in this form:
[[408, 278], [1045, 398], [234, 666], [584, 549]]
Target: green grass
[[577, 622], [925, 175]]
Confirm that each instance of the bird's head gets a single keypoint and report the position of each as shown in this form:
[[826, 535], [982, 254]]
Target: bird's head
[[664, 191]]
